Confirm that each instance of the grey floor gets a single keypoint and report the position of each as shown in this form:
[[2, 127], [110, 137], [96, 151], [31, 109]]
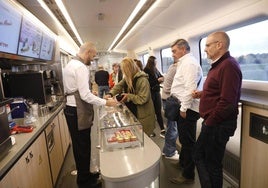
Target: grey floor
[[167, 169]]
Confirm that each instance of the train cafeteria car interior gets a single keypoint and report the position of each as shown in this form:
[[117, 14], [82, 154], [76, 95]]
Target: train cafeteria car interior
[[39, 37]]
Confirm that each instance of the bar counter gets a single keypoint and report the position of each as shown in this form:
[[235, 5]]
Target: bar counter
[[24, 140], [136, 166]]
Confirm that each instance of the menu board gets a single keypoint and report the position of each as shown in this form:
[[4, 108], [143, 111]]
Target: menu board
[[30, 39], [47, 47], [10, 22]]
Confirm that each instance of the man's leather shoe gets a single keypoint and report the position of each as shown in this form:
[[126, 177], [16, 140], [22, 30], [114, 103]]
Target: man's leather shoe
[[95, 175]]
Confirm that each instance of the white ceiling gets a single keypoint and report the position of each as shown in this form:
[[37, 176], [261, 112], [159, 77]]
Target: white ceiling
[[165, 18], [84, 14]]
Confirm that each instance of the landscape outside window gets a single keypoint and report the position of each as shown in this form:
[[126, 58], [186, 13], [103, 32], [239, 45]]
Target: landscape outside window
[[249, 45], [167, 59]]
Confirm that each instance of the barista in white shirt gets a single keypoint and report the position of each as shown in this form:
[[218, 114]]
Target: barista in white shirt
[[79, 111]]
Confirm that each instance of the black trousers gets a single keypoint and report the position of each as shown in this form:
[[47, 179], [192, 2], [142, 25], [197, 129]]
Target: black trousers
[[209, 152], [187, 138], [81, 143], [156, 97]]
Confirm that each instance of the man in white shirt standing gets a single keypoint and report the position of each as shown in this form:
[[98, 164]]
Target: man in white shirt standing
[[187, 78], [79, 111]]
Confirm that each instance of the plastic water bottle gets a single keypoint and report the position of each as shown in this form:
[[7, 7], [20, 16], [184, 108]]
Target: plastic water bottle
[[8, 110]]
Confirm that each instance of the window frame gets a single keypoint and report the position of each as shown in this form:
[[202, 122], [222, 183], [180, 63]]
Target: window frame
[[245, 70], [162, 60]]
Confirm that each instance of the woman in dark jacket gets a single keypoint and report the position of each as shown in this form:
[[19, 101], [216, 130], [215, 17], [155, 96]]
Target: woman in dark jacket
[[155, 78]]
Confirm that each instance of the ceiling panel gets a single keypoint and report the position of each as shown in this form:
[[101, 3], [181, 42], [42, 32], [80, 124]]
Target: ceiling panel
[[166, 19], [101, 32]]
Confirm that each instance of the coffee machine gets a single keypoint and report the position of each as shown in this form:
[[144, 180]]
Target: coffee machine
[[5, 139], [27, 85], [35, 85]]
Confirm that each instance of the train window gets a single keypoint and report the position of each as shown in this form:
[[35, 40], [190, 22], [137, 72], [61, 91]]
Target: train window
[[166, 59], [144, 58], [249, 45]]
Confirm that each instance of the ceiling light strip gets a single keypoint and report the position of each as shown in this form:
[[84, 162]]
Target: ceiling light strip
[[131, 17], [68, 18], [143, 15], [47, 9]]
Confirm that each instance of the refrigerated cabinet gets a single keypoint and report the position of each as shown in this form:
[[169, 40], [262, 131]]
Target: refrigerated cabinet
[[128, 157]]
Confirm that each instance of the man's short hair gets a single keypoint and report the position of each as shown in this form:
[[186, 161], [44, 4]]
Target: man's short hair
[[182, 42]]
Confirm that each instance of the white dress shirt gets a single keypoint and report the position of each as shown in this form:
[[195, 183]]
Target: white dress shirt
[[76, 78], [186, 79]]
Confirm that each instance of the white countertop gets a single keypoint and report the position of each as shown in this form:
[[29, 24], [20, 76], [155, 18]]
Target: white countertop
[[24, 140], [126, 164]]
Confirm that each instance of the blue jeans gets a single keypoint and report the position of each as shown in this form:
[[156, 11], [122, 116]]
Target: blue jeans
[[102, 90], [170, 136]]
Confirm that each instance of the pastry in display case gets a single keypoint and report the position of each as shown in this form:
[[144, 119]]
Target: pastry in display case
[[119, 129]]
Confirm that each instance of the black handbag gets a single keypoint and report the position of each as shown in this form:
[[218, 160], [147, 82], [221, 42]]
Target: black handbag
[[172, 110], [132, 107]]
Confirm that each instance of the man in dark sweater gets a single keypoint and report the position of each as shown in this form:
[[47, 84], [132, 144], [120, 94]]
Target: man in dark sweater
[[219, 109], [102, 78]]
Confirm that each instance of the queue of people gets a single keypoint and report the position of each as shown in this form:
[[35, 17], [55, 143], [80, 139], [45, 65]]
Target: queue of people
[[215, 101]]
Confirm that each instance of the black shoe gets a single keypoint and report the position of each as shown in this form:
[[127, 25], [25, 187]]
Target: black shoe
[[95, 175], [152, 135]]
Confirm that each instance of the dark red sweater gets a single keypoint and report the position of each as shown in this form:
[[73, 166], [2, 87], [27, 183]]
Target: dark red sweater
[[221, 91]]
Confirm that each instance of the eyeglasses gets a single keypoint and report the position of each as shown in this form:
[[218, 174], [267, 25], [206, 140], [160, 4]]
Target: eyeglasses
[[209, 44]]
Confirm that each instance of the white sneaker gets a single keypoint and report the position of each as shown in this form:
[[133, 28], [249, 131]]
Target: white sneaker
[[176, 157], [176, 152]]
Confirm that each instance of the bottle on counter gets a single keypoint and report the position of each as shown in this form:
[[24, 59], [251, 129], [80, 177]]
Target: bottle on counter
[[8, 110]]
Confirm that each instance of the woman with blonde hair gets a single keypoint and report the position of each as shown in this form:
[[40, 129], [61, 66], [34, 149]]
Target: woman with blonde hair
[[135, 89]]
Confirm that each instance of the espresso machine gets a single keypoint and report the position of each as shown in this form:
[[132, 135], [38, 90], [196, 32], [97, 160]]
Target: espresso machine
[[38, 86], [5, 139]]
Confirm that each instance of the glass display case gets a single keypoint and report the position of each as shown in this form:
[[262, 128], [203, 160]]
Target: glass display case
[[119, 129]]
